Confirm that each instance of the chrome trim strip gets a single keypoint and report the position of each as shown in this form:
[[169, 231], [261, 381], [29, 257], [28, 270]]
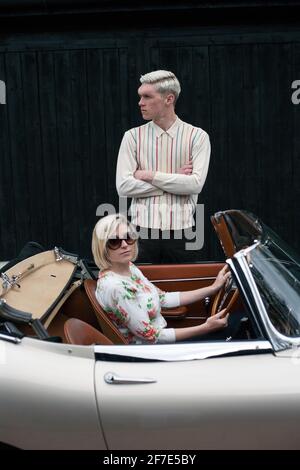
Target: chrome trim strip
[[114, 379], [10, 339]]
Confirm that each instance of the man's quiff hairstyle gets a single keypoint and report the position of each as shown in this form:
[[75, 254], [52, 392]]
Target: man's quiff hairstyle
[[164, 82], [105, 229]]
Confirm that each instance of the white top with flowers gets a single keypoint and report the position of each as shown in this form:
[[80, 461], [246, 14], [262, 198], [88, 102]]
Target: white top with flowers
[[133, 303]]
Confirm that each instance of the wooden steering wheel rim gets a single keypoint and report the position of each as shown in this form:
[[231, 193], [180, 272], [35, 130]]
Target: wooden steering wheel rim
[[217, 300]]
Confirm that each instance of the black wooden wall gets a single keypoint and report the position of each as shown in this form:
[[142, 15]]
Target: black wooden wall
[[71, 93]]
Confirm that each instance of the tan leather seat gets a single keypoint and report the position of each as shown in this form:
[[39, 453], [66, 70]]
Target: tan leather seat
[[79, 332], [107, 326]]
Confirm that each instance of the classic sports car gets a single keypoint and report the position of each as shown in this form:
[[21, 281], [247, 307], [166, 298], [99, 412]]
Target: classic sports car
[[242, 392]]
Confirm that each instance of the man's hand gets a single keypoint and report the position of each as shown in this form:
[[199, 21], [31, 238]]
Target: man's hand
[[147, 175], [144, 175], [186, 169]]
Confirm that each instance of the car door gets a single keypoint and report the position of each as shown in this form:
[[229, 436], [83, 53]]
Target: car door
[[197, 397]]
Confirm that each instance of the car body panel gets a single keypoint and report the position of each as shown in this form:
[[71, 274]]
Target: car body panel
[[243, 393], [47, 396], [243, 402]]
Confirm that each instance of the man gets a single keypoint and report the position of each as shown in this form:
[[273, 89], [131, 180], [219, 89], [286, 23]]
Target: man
[[162, 166]]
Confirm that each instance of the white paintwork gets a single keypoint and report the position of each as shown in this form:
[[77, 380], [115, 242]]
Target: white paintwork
[[246, 402], [47, 396], [184, 351], [242, 402]]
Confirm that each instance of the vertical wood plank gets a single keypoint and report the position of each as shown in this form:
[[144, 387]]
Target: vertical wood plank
[[8, 245], [35, 167], [81, 148], [113, 129], [98, 161], [53, 191], [18, 149], [66, 154]]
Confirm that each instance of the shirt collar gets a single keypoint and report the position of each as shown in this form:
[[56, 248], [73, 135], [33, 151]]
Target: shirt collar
[[171, 131]]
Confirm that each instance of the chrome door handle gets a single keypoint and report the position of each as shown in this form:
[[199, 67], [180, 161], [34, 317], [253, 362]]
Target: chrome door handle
[[113, 379]]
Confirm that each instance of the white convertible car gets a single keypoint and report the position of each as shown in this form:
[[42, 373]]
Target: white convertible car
[[239, 393]]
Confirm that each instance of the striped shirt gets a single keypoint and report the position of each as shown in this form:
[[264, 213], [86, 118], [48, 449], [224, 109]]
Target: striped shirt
[[168, 203]]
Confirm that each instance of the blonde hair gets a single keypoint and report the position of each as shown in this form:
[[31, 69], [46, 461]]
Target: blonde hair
[[105, 229], [163, 81]]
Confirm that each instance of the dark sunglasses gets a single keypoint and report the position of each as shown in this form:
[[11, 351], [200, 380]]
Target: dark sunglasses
[[115, 243]]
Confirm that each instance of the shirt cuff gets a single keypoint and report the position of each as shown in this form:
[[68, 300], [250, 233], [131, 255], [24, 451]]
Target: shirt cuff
[[167, 335], [172, 299]]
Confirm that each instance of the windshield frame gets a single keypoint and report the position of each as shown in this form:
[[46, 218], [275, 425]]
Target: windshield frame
[[278, 340]]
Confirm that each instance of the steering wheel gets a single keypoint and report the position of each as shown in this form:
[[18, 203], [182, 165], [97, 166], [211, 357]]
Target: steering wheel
[[223, 299]]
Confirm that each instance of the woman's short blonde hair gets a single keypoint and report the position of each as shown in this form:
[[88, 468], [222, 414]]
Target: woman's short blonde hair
[[105, 229]]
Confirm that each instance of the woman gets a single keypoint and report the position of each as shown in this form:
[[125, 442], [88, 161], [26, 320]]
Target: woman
[[130, 300]]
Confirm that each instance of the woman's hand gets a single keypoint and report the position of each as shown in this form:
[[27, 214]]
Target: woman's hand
[[188, 297], [217, 321], [221, 279]]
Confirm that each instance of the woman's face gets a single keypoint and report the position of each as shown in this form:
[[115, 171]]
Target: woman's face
[[120, 246]]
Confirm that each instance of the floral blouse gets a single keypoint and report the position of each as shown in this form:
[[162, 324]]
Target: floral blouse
[[133, 303]]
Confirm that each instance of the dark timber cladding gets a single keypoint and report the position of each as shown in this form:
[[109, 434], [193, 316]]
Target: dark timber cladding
[[71, 70]]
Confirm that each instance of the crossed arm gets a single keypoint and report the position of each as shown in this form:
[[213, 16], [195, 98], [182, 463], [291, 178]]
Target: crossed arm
[[189, 179]]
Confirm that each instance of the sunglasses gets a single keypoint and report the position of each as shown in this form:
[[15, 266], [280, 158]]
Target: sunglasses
[[115, 243]]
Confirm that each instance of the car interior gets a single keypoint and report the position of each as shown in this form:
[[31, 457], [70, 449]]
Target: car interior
[[79, 319]]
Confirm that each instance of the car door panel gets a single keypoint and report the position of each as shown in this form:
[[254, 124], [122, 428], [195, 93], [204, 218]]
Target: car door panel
[[183, 277], [246, 402]]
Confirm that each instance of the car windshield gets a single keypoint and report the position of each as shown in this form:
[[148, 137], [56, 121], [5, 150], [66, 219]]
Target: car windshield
[[276, 270]]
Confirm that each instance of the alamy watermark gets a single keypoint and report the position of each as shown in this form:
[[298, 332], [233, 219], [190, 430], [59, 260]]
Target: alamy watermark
[[296, 94], [194, 235], [2, 92], [295, 98]]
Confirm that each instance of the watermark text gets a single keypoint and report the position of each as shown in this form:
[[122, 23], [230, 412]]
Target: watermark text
[[296, 94], [2, 92]]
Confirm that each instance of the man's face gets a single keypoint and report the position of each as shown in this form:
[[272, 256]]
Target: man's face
[[153, 105]]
